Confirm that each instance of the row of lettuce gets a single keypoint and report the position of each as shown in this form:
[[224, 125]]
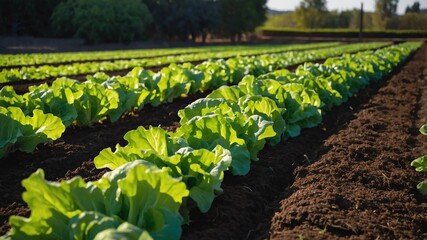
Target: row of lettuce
[[68, 102], [159, 175], [48, 71], [14, 60]]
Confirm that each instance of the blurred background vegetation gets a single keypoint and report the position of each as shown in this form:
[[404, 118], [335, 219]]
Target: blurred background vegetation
[[124, 21], [127, 20], [313, 14]]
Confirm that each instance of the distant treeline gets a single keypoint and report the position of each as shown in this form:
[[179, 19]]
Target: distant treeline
[[313, 14], [128, 20]]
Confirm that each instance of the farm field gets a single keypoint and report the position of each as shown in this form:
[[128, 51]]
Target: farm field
[[79, 68], [349, 176]]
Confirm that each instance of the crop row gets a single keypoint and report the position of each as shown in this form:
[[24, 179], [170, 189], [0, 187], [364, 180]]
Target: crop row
[[103, 97], [157, 174], [11, 60], [47, 71]]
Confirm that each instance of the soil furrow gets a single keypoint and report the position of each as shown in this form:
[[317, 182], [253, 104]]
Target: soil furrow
[[364, 186], [307, 188]]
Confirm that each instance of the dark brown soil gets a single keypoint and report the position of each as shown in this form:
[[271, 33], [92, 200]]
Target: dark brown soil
[[363, 148], [348, 178]]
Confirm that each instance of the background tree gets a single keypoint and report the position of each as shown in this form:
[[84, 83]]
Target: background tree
[[241, 16], [336, 19], [182, 19], [101, 20], [415, 8], [355, 19], [284, 20], [209, 18], [310, 13], [62, 17], [412, 20], [385, 10], [193, 18]]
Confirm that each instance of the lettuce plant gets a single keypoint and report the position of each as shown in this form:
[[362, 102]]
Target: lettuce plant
[[24, 133], [135, 199], [420, 165], [201, 170]]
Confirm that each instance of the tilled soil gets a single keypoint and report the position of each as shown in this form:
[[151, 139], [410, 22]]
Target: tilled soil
[[348, 178]]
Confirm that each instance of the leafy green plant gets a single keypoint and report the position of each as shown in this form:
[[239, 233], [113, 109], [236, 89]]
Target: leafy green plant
[[24, 133], [99, 21], [201, 170], [147, 198], [275, 58], [14, 60], [420, 165], [139, 195]]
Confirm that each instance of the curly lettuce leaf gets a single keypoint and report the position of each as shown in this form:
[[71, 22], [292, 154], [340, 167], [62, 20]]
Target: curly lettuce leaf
[[24, 133], [95, 104], [211, 130], [203, 171], [420, 164], [137, 193]]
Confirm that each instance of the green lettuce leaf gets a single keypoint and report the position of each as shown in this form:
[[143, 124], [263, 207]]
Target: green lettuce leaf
[[203, 171], [58, 99], [268, 110], [153, 144], [9, 98], [423, 129], [125, 231], [422, 187], [24, 133], [211, 130], [420, 164], [205, 106], [137, 193], [132, 94], [95, 104], [229, 93]]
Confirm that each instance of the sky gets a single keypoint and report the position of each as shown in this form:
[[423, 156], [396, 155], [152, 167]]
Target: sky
[[368, 5]]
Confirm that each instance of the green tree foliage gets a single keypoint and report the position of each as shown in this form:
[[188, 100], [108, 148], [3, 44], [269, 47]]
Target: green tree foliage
[[241, 16], [355, 19], [101, 20], [386, 8], [335, 19], [284, 20], [414, 9], [385, 11], [313, 14], [412, 20], [182, 19], [310, 13]]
